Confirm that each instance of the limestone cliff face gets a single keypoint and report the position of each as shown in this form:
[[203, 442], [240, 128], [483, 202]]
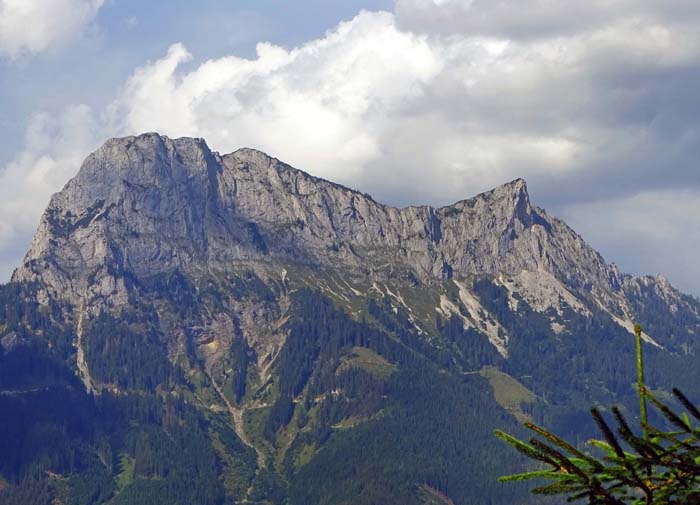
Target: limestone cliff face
[[146, 205], [149, 204]]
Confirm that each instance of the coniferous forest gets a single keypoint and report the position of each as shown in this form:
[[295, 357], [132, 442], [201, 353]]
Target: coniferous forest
[[359, 410]]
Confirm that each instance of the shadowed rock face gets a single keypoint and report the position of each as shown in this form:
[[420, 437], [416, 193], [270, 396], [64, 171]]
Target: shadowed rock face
[[150, 204]]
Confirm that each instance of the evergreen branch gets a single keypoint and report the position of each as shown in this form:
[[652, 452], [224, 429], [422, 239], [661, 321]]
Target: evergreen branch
[[607, 432], [640, 380], [642, 446], [597, 465], [663, 469], [565, 463], [668, 413], [525, 449], [686, 403], [537, 474]]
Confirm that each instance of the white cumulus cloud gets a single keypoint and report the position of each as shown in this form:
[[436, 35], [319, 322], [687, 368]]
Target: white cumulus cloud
[[34, 26], [54, 148], [378, 103], [322, 106]]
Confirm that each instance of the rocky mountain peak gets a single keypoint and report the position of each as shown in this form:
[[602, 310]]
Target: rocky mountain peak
[[252, 156], [515, 190], [149, 204], [509, 200], [516, 193]]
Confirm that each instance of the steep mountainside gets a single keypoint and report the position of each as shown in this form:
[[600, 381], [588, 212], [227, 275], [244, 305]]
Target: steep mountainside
[[227, 329]]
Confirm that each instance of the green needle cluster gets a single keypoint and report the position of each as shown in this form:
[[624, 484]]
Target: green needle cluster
[[656, 466]]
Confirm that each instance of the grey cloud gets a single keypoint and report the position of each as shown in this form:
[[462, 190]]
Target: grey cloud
[[653, 232], [629, 105], [532, 19]]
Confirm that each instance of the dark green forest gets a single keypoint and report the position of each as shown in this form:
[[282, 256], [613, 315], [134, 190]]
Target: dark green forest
[[363, 410]]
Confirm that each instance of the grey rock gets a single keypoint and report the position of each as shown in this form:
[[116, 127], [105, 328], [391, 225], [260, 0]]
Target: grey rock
[[149, 204]]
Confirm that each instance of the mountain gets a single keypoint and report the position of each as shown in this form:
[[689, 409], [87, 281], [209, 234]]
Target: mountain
[[189, 327]]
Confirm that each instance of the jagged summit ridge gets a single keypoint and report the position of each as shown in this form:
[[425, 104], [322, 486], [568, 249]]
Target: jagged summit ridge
[[150, 204]]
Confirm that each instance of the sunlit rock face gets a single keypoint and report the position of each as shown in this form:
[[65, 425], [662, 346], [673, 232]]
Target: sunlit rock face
[[149, 204], [145, 205]]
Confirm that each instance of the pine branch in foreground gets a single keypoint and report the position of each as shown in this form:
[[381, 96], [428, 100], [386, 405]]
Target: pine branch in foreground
[[656, 466]]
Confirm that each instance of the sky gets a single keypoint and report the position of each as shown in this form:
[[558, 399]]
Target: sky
[[593, 102]]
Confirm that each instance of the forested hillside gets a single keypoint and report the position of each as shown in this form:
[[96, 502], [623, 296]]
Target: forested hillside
[[195, 328]]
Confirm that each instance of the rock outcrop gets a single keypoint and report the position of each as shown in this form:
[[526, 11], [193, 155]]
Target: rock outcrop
[[145, 205], [149, 204]]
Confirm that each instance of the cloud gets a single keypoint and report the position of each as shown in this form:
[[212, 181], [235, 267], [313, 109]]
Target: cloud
[[54, 148], [594, 103], [654, 231], [34, 26], [525, 20], [378, 103], [321, 106]]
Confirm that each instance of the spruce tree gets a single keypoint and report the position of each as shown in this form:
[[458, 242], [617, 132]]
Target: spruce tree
[[655, 465]]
